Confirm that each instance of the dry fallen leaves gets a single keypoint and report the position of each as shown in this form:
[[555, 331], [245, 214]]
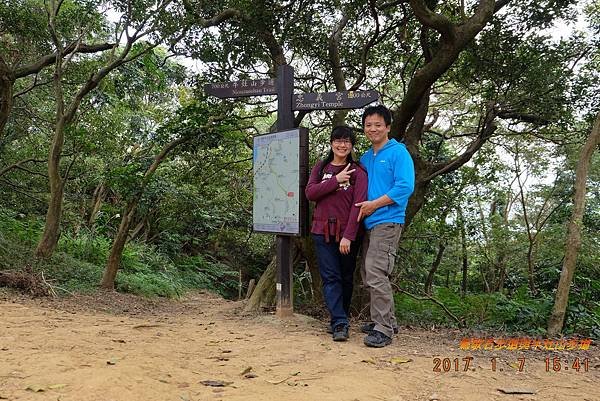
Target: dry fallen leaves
[[36, 388], [398, 360], [215, 383], [516, 390]]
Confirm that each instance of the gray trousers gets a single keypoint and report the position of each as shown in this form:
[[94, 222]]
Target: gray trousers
[[379, 256]]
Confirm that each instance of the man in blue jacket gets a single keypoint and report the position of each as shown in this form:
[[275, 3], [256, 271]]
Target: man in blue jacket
[[391, 182]]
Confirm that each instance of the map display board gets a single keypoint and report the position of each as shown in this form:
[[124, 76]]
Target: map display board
[[279, 180]]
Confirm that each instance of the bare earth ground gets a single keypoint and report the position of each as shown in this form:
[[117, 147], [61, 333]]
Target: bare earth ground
[[112, 347]]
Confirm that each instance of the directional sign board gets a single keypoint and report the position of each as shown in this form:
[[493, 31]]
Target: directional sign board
[[334, 100], [243, 88]]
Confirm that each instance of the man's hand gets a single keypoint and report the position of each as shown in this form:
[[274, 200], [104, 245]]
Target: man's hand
[[344, 175], [345, 246], [366, 209]]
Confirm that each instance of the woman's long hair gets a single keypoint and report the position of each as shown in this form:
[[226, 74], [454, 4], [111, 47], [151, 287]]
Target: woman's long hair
[[339, 132]]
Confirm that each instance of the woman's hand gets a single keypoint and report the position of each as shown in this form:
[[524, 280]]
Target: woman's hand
[[344, 175], [345, 246]]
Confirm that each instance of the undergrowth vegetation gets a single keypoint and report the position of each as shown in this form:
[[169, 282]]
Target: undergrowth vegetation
[[79, 262]]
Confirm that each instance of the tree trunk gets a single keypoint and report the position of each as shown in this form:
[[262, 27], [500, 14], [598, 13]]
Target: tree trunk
[[49, 240], [501, 268], [6, 95], [416, 201], [557, 317], [264, 292], [464, 256], [531, 267], [434, 266], [116, 251], [96, 203]]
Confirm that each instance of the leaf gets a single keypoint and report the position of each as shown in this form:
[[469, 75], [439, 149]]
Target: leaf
[[247, 370], [35, 388], [56, 386], [112, 361], [516, 391], [397, 360], [215, 383], [368, 361]]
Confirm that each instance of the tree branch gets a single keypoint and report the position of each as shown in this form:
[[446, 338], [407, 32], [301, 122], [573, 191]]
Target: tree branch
[[433, 20], [523, 117], [18, 165], [50, 59], [487, 131]]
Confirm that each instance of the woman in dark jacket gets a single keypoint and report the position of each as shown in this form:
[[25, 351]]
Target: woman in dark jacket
[[336, 184]]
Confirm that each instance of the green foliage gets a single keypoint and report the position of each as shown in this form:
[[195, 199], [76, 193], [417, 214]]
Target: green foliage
[[201, 272], [85, 246], [518, 312], [79, 263]]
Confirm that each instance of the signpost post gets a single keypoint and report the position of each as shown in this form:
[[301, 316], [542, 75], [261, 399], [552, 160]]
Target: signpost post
[[287, 103]]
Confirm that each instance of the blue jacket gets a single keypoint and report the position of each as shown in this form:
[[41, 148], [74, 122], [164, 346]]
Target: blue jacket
[[392, 173]]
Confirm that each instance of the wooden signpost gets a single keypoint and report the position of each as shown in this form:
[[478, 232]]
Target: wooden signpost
[[287, 103]]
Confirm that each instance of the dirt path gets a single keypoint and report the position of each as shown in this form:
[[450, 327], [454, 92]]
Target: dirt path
[[114, 347]]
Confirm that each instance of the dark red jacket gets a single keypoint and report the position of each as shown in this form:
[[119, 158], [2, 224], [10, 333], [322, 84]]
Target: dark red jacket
[[335, 201]]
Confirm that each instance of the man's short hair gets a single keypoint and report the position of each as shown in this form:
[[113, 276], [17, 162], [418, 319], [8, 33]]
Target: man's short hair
[[380, 110]]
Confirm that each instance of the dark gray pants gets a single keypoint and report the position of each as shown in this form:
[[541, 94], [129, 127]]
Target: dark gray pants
[[379, 249]]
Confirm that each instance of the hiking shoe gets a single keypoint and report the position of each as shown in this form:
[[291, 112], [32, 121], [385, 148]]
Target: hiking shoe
[[340, 332], [377, 339], [367, 328]]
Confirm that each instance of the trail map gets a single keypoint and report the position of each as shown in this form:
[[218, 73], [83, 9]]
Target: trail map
[[276, 203]]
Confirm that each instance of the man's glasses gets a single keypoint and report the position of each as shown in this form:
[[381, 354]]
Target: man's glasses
[[343, 141]]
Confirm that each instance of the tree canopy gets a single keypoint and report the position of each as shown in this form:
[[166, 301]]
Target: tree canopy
[[111, 154]]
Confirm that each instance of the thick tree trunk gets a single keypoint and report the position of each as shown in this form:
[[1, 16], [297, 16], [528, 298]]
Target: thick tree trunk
[[116, 251], [557, 317], [416, 201], [434, 266], [264, 293]]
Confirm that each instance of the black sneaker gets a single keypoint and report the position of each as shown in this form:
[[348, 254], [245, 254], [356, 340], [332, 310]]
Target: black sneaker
[[340, 332], [377, 339], [367, 328]]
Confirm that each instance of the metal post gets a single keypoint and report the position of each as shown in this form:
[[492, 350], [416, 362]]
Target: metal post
[[285, 121]]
